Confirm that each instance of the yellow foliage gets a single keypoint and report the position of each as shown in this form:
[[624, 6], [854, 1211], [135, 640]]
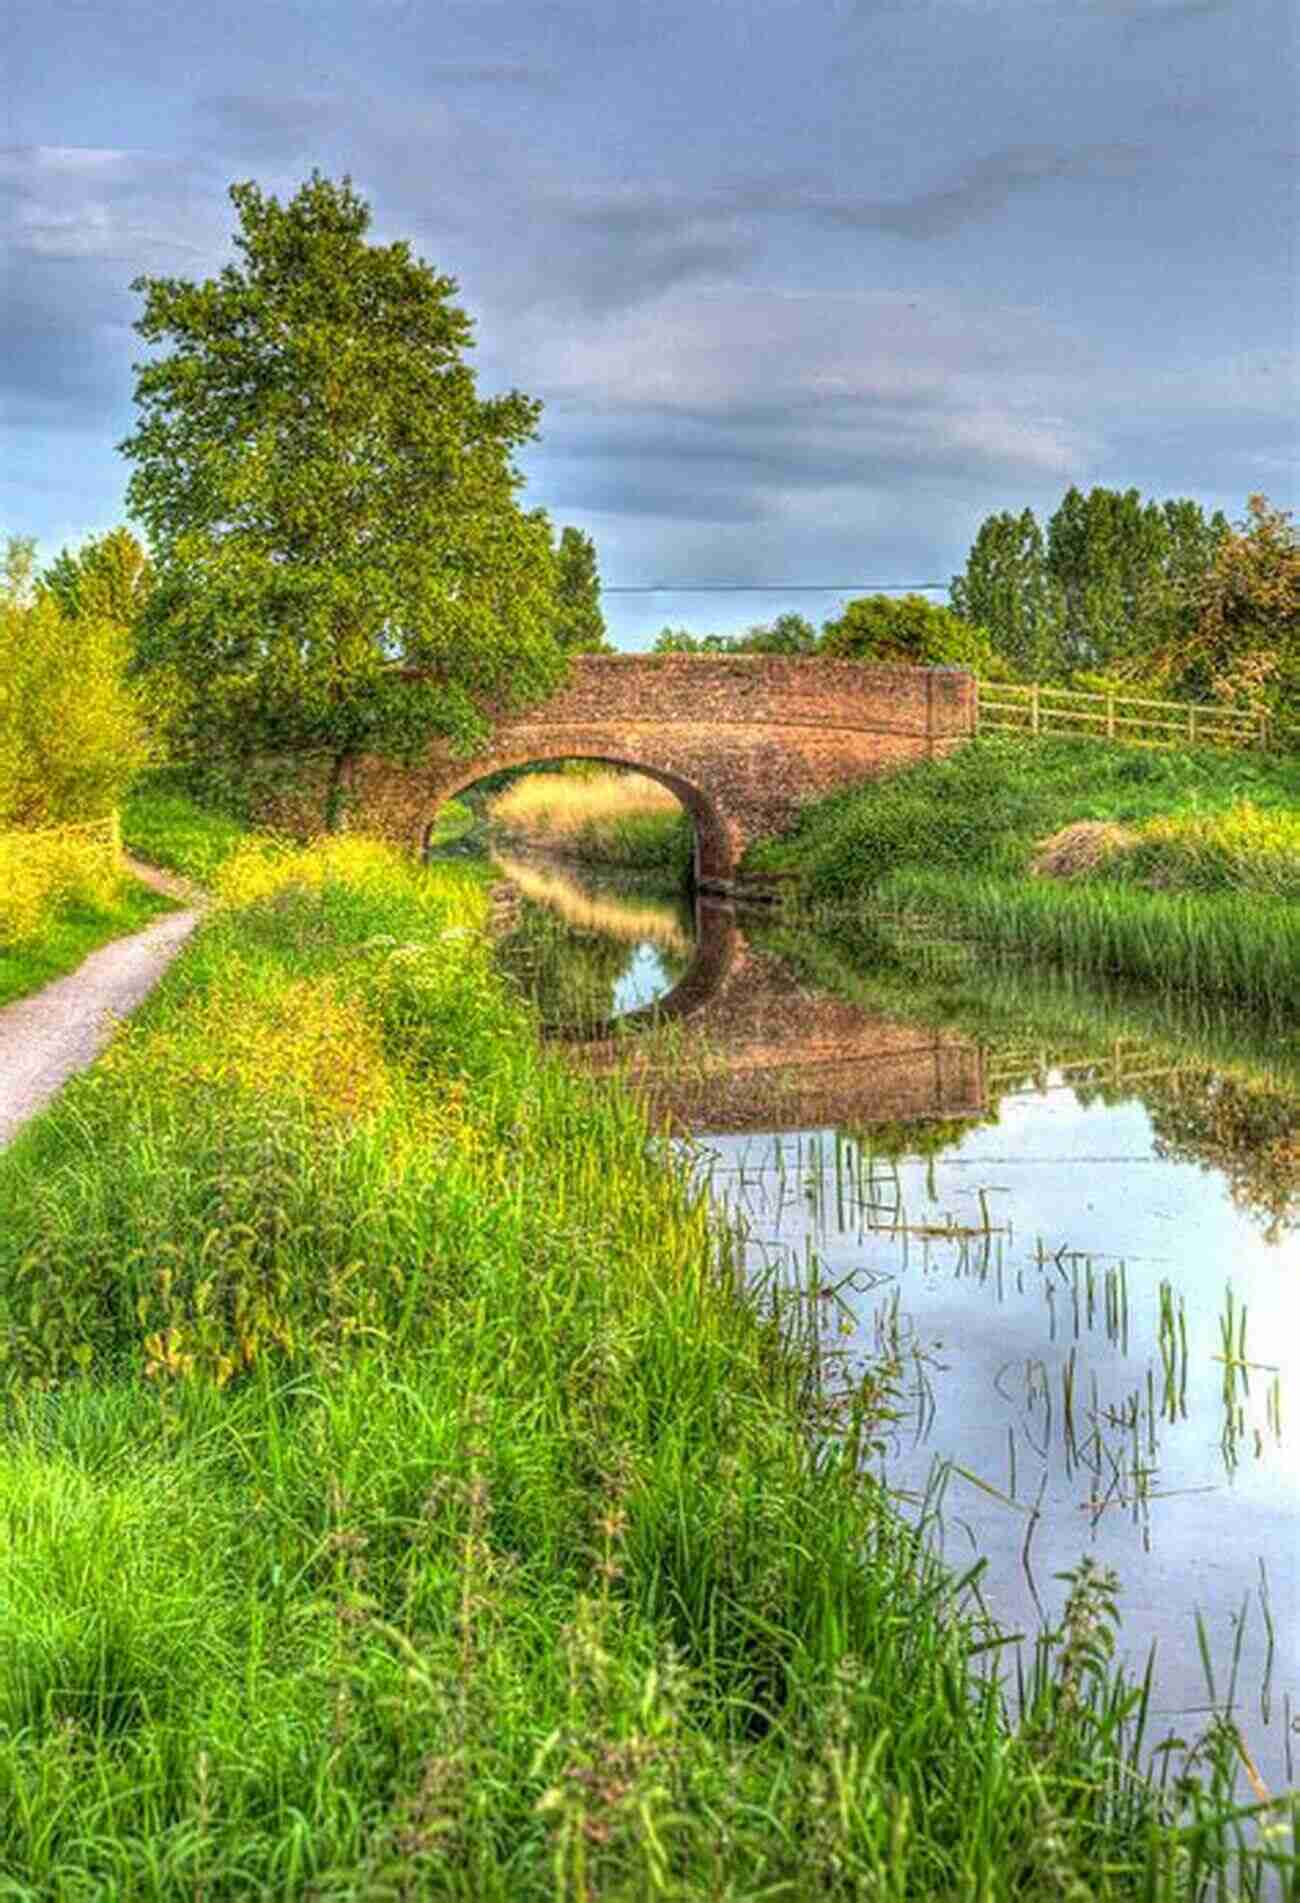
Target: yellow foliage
[[71, 735], [41, 871], [301, 1041], [1244, 846]]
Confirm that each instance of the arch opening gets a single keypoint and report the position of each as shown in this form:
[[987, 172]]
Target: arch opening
[[711, 854]]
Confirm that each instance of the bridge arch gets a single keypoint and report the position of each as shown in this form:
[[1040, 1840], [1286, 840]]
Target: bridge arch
[[743, 740], [711, 854]]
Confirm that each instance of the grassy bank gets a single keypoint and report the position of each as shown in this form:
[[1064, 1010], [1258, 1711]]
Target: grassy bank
[[1190, 878], [74, 930], [617, 819], [404, 1500]]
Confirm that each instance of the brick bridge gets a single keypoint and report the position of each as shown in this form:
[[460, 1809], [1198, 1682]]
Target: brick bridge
[[762, 1052], [742, 740]]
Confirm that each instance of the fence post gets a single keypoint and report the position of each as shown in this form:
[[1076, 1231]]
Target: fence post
[[1110, 713], [1033, 708], [1191, 726]]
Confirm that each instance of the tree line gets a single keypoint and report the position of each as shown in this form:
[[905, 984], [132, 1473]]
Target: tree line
[[1152, 597]]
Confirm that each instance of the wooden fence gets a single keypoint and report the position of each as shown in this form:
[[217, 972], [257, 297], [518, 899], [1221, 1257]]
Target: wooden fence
[[109, 827], [1032, 708]]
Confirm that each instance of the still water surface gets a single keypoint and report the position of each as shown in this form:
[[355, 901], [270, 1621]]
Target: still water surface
[[1068, 1219]]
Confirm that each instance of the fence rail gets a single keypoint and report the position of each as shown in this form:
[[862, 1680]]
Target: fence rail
[[1078, 713], [110, 825]]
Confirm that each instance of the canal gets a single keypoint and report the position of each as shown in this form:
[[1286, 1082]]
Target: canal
[[1062, 1221]]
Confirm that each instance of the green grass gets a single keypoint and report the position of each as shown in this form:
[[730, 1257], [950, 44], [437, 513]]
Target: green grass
[[73, 932], [453, 820], [1227, 946], [954, 838], [650, 842], [170, 829], [984, 806], [402, 1496]]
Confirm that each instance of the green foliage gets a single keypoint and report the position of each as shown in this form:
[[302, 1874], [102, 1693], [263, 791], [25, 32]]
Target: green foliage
[[110, 575], [1242, 646], [788, 634], [1006, 590], [1104, 590], [908, 630], [329, 500], [577, 590]]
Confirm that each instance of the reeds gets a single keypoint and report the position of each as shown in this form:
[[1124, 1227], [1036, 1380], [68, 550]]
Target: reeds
[[1228, 946]]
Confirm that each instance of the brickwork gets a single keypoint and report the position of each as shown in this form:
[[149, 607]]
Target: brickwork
[[742, 740]]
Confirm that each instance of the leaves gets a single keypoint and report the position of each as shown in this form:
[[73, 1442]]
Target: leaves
[[328, 498]]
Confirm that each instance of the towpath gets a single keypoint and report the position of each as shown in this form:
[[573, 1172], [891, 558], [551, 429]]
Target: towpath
[[61, 1029]]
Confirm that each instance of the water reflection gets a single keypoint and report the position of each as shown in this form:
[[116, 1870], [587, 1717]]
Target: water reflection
[[587, 951], [1064, 1221]]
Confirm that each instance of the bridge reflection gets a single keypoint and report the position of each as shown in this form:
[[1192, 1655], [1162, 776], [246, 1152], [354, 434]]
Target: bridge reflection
[[740, 1045]]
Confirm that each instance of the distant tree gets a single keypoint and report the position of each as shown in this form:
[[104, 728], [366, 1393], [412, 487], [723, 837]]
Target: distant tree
[[907, 629], [110, 574], [1006, 589], [1241, 645], [577, 588], [682, 641], [1103, 591], [329, 500], [788, 634], [1126, 572]]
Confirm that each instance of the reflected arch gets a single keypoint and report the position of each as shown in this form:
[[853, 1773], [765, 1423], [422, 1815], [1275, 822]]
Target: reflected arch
[[711, 857]]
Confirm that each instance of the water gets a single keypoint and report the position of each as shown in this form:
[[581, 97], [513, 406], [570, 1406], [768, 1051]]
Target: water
[[1067, 1219]]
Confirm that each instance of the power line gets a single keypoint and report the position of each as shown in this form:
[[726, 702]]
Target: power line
[[766, 587]]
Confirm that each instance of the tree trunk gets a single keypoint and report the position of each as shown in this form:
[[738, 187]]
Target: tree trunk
[[335, 793]]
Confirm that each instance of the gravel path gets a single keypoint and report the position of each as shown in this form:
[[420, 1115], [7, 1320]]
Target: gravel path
[[44, 1039]]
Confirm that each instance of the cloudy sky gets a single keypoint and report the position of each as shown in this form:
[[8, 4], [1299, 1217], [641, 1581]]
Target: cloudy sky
[[807, 287]]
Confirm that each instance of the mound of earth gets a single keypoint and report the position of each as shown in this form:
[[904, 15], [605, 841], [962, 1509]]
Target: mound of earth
[[1079, 849]]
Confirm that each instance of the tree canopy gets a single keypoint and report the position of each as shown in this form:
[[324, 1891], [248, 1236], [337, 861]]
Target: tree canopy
[[1104, 589], [329, 500], [581, 625]]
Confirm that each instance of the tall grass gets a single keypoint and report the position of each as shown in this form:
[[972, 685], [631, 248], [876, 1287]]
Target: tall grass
[[1228, 946], [956, 837], [403, 1496], [609, 818]]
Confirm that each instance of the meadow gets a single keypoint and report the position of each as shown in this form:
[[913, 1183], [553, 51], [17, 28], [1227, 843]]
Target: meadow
[[404, 1495]]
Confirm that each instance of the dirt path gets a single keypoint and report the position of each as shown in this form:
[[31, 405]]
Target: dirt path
[[46, 1038]]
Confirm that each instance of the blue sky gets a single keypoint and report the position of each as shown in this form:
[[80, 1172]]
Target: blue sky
[[807, 287]]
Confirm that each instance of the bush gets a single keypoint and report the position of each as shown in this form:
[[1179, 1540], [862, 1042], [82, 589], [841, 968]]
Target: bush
[[41, 872], [71, 733], [909, 630]]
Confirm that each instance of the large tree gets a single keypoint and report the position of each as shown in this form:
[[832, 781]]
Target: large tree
[[329, 500]]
